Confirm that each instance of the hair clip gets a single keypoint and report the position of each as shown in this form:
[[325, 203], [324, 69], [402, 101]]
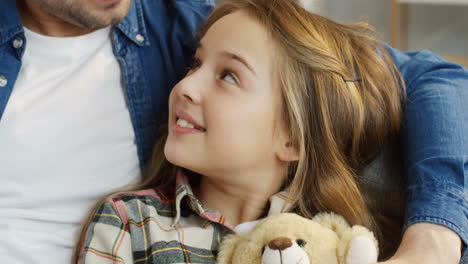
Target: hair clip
[[352, 80]]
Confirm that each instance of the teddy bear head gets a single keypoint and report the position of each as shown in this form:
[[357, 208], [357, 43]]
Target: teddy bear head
[[291, 239]]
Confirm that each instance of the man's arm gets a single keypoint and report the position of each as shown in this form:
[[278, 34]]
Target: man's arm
[[192, 14], [428, 243], [435, 150]]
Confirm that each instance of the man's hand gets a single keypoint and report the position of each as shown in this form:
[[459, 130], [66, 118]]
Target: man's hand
[[429, 244]]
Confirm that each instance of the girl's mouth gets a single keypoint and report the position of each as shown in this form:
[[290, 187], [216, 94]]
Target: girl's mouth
[[186, 124]]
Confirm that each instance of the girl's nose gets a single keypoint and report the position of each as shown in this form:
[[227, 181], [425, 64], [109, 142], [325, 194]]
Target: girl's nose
[[190, 88]]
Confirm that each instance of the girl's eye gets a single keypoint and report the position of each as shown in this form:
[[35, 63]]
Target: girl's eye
[[195, 65], [229, 77]]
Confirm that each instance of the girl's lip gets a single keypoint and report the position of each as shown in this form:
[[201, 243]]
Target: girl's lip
[[186, 116], [184, 130]]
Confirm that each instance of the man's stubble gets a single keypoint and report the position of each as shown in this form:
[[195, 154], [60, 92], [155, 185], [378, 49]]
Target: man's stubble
[[82, 14]]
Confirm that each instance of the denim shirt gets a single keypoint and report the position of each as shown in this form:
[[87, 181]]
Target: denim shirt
[[155, 42], [434, 141]]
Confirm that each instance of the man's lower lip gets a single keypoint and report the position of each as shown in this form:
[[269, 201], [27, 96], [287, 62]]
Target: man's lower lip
[[107, 1], [184, 130]]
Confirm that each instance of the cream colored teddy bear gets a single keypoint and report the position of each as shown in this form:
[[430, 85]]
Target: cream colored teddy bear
[[291, 239]]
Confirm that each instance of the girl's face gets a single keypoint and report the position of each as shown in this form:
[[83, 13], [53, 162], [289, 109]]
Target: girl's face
[[223, 116]]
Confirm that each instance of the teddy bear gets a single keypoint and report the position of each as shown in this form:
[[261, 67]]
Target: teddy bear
[[291, 239]]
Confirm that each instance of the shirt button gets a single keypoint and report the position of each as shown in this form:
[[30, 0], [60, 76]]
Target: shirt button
[[3, 81], [18, 43], [140, 38]]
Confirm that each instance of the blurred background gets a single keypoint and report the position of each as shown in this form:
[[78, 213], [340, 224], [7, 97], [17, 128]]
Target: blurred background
[[437, 25]]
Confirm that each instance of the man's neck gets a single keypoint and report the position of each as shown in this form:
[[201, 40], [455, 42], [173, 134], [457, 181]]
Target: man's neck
[[39, 21]]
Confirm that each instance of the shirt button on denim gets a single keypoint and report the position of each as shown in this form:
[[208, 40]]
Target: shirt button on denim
[[3, 81], [18, 43], [140, 38]]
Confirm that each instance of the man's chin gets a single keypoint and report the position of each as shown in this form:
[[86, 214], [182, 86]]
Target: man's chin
[[99, 13]]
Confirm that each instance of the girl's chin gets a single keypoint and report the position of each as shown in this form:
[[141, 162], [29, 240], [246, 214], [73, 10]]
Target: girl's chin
[[181, 162]]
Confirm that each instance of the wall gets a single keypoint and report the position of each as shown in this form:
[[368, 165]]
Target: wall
[[443, 29]]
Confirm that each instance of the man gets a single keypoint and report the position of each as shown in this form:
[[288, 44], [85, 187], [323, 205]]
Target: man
[[80, 102], [84, 86]]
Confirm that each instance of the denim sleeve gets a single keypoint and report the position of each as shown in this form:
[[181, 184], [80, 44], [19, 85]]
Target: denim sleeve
[[190, 15], [434, 140]]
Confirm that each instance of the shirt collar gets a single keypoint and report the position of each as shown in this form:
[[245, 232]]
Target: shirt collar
[[10, 22], [279, 202], [183, 189], [133, 25]]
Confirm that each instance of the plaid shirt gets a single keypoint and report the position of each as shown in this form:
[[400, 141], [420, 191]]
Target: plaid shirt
[[159, 226]]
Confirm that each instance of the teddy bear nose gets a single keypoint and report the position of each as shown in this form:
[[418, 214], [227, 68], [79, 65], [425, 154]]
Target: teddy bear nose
[[280, 243]]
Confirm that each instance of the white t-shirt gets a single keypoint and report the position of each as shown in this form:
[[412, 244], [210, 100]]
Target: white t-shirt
[[66, 140]]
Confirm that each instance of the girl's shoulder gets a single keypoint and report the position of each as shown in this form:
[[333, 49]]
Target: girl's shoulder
[[146, 203], [163, 194]]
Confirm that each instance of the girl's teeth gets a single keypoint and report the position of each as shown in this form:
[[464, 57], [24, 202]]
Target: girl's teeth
[[184, 123]]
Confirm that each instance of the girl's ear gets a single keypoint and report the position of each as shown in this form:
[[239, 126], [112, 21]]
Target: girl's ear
[[287, 152]]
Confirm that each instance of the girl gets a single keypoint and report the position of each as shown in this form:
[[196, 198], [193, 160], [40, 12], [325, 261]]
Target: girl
[[281, 111]]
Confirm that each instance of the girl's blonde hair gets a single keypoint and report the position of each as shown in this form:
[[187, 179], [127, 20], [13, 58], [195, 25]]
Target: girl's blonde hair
[[342, 101]]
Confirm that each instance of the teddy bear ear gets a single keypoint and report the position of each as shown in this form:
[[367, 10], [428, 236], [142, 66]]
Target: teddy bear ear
[[227, 248], [335, 222], [358, 246]]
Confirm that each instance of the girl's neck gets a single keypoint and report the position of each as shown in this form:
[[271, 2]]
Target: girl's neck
[[237, 203]]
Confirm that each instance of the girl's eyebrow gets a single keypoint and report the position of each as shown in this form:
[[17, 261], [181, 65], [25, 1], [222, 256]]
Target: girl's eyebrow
[[233, 56], [238, 58]]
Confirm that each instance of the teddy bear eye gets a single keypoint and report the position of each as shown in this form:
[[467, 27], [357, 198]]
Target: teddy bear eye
[[301, 242]]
